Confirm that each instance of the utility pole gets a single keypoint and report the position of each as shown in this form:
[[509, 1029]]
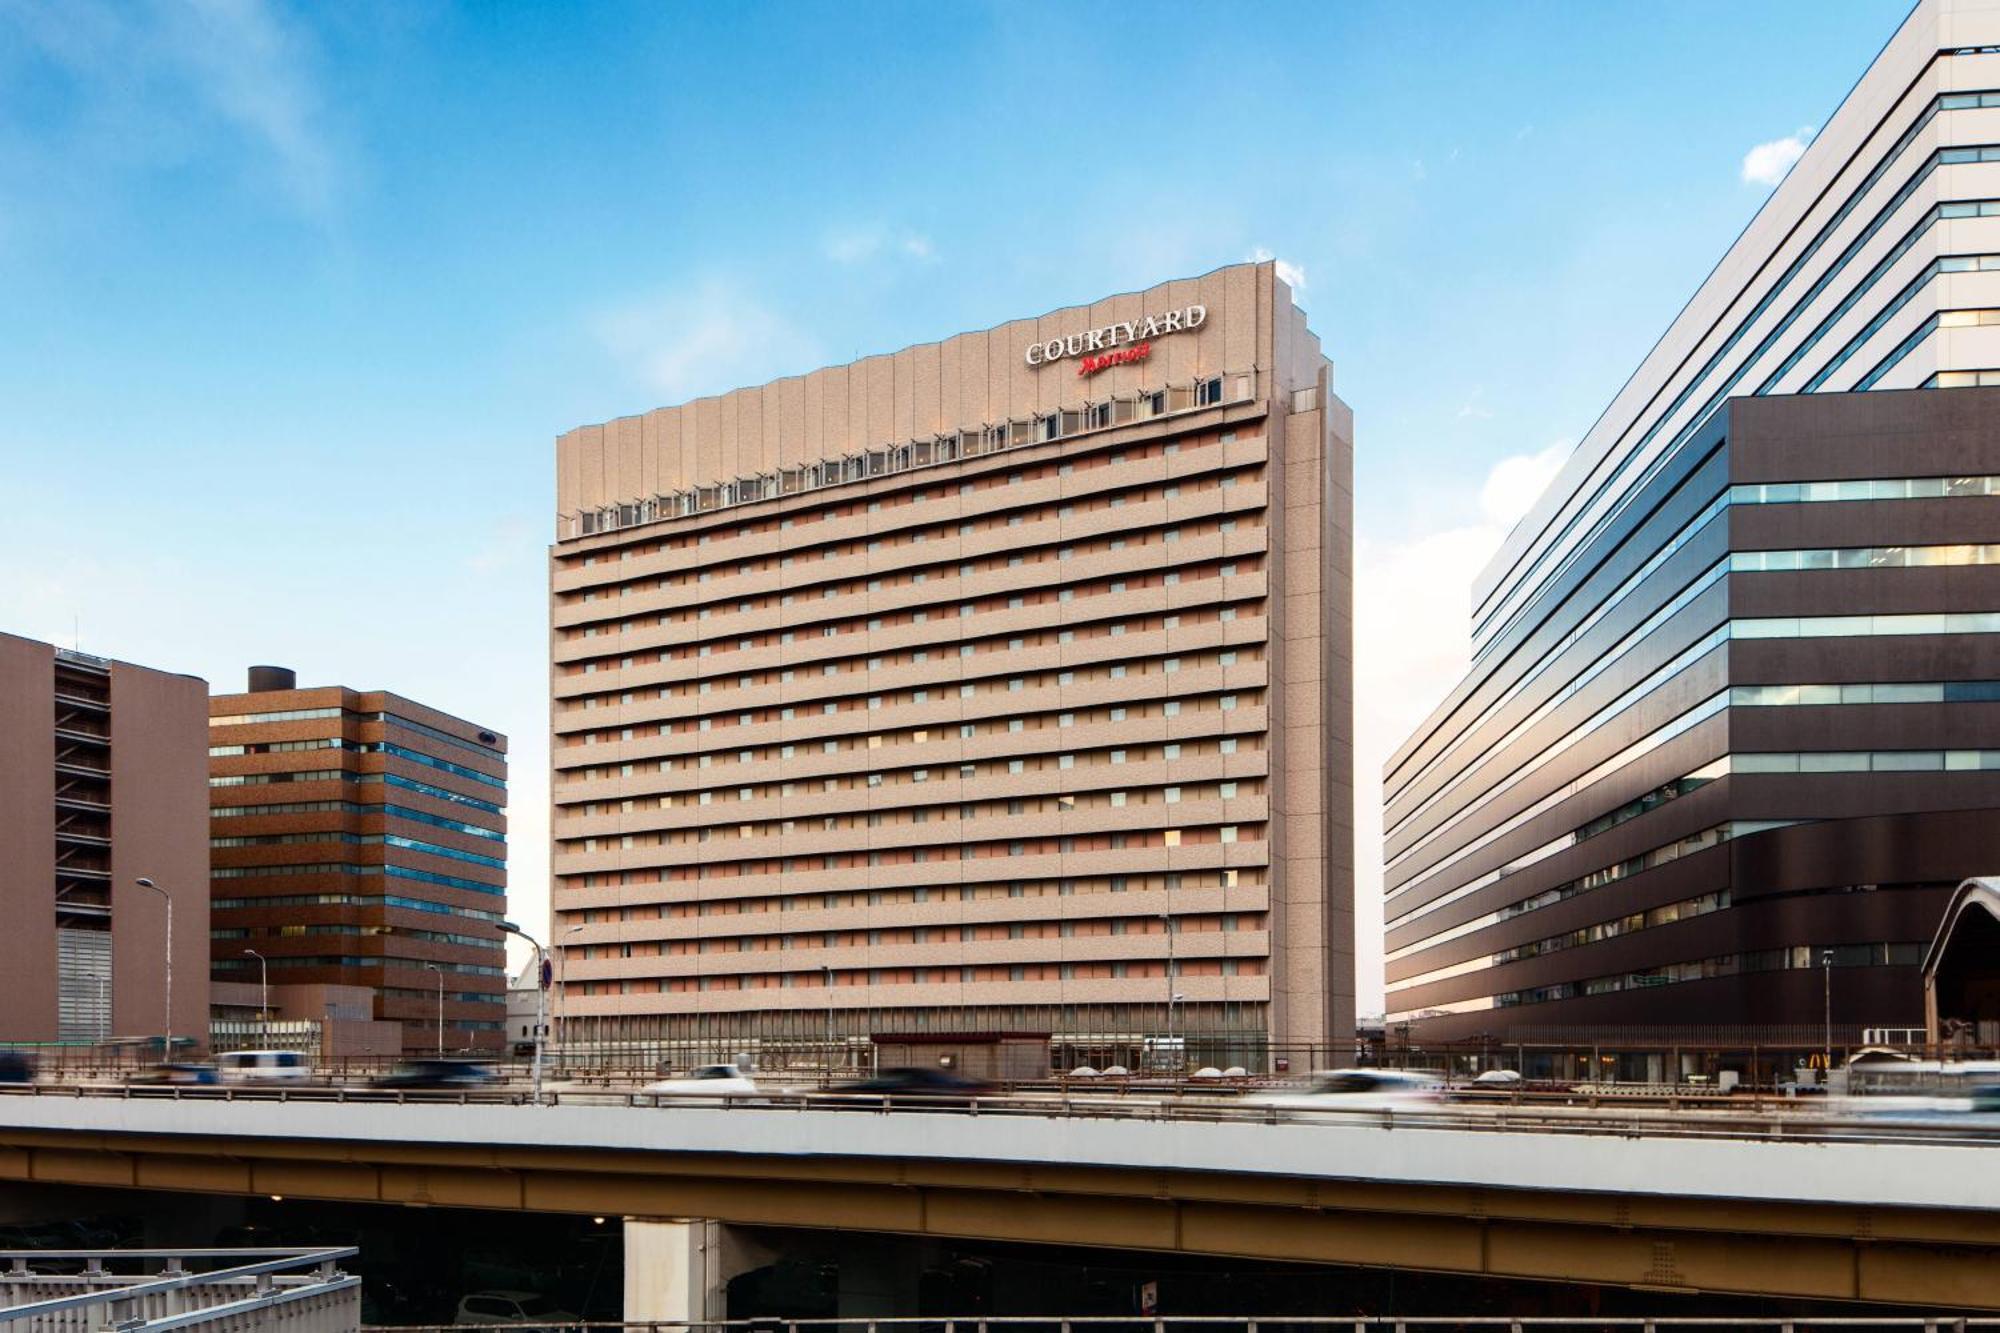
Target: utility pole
[[1826, 966]]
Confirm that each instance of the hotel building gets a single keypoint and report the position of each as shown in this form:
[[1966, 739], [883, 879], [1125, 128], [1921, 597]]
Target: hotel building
[[100, 786], [1731, 732], [1000, 683], [359, 840]]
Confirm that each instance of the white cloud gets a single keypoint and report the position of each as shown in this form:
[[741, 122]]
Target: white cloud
[[155, 78], [255, 69], [716, 339], [1412, 604], [1515, 483], [860, 245], [1767, 163], [1292, 275]]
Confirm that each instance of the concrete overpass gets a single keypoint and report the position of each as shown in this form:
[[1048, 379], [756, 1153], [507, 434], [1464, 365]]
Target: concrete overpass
[[1784, 1208]]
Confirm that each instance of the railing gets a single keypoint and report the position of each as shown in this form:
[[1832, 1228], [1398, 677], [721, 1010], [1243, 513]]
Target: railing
[[72, 1291], [1581, 1114], [1938, 1323], [950, 447]]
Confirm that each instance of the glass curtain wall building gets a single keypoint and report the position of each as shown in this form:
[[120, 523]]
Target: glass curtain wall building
[[996, 684], [360, 839], [1733, 715]]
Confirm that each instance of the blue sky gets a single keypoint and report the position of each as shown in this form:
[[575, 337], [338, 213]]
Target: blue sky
[[294, 298]]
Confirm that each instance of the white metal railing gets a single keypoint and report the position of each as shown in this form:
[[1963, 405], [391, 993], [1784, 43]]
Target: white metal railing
[[950, 447], [301, 1289], [1148, 1323], [1581, 1113]]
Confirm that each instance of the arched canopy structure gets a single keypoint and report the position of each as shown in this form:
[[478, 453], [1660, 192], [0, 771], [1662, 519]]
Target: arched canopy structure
[[1962, 967]]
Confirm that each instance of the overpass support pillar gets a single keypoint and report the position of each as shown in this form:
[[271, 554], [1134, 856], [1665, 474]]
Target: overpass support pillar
[[677, 1269]]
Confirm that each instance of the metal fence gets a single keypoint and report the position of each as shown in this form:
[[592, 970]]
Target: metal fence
[[1705, 1117], [1935, 1323], [230, 1291]]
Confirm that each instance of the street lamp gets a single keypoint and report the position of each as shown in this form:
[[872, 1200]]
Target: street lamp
[[827, 972], [1168, 921], [263, 986], [1826, 966], [167, 1047], [562, 996], [433, 967], [541, 1000]]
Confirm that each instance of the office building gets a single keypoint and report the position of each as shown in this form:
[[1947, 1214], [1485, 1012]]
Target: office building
[[1000, 683], [101, 773], [1731, 734], [359, 839]]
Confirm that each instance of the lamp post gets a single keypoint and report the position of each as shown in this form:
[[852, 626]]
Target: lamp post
[[1167, 921], [827, 972], [263, 987], [433, 967], [167, 1045], [562, 996], [541, 1000], [1826, 966]]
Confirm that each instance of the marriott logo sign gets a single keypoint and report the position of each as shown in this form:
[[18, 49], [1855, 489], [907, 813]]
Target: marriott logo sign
[[1100, 347]]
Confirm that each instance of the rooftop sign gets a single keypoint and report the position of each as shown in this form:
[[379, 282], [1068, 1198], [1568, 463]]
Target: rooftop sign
[[1116, 344]]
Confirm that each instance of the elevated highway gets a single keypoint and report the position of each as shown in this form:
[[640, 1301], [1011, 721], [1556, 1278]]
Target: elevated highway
[[1757, 1205]]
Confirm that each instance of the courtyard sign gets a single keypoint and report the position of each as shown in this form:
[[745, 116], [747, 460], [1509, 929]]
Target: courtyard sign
[[1115, 344]]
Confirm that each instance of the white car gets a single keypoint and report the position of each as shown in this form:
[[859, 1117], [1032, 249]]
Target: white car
[[1498, 1078], [263, 1067], [1357, 1090], [510, 1307], [705, 1081]]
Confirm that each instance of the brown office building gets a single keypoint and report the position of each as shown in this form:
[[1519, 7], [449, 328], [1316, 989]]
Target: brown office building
[[998, 684], [1731, 734], [359, 839], [100, 786]]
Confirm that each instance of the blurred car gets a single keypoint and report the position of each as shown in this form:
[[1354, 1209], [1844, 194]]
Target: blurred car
[[16, 1067], [436, 1074], [1357, 1090], [510, 1307], [1498, 1078], [263, 1067], [920, 1082], [178, 1073], [705, 1081]]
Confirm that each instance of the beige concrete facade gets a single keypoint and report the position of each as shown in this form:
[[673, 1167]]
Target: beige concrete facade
[[102, 782], [970, 687]]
